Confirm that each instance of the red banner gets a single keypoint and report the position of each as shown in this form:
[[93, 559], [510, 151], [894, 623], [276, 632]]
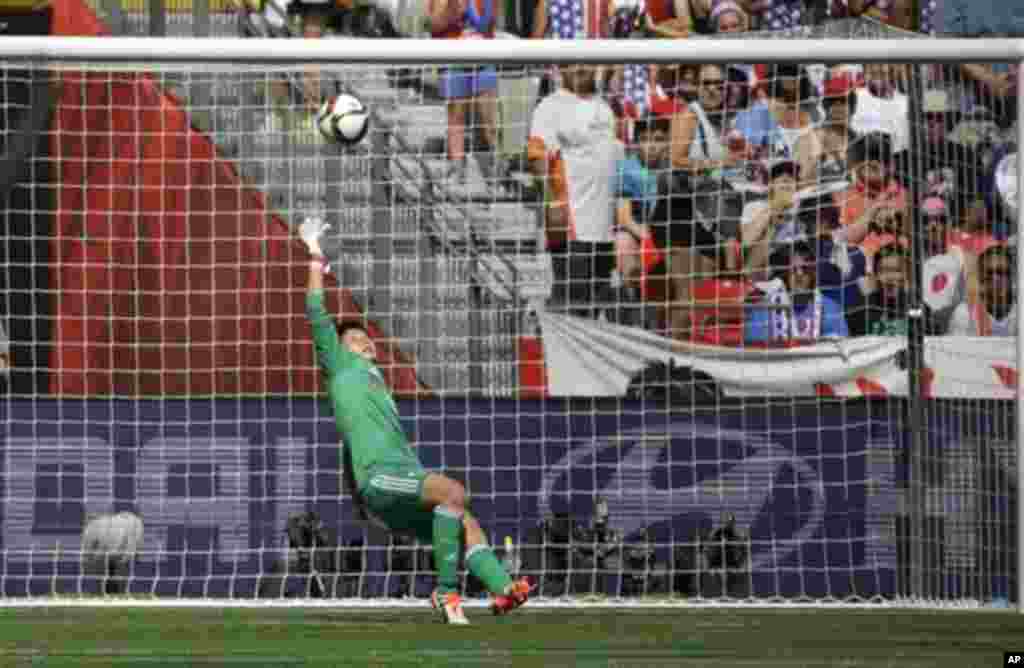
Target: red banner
[[171, 276]]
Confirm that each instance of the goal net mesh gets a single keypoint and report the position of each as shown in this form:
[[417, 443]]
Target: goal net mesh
[[659, 320]]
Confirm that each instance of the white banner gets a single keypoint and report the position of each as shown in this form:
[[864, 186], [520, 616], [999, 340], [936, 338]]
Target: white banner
[[598, 359]]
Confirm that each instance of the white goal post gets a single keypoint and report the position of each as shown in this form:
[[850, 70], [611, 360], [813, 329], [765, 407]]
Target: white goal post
[[207, 57], [476, 52]]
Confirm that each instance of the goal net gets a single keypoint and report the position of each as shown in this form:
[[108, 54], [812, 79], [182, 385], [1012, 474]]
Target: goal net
[[686, 332]]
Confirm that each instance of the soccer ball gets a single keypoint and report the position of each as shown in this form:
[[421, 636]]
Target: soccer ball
[[343, 119]]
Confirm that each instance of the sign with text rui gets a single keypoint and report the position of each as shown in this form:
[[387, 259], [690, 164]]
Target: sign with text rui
[[215, 481]]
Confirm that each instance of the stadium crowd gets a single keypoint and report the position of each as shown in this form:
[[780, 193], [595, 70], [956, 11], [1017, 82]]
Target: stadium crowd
[[754, 204]]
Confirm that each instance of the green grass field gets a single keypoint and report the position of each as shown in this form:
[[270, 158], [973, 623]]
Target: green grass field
[[120, 637]]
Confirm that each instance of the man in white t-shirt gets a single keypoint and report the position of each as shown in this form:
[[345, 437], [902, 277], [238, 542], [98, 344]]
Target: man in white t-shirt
[[574, 150], [881, 107]]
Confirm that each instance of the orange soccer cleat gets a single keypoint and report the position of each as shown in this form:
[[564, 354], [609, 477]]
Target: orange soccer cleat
[[517, 594], [450, 607]]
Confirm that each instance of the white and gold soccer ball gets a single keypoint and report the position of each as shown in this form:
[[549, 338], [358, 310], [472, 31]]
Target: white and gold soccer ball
[[343, 119]]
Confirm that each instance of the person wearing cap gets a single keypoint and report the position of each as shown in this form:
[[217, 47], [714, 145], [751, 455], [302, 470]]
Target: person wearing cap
[[823, 150]]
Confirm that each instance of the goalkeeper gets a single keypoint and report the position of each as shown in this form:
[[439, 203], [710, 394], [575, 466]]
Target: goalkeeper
[[386, 480]]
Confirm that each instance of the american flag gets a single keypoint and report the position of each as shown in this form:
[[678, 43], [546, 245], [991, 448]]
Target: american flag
[[566, 19], [635, 90], [778, 14]]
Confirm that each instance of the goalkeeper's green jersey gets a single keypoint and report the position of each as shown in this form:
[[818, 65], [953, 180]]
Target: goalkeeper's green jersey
[[364, 411]]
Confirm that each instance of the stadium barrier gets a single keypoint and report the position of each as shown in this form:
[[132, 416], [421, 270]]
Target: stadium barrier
[[824, 496]]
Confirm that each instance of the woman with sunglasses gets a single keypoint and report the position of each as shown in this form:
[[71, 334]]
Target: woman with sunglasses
[[699, 134]]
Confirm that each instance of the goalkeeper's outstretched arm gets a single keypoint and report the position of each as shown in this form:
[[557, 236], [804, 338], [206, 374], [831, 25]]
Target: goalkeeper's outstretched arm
[[310, 231], [330, 353]]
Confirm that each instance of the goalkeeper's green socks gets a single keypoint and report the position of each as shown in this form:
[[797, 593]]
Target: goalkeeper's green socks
[[447, 545], [482, 563]]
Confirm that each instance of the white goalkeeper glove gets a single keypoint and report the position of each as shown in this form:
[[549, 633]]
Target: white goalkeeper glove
[[310, 231]]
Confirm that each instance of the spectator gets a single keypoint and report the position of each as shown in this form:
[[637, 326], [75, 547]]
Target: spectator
[[695, 252], [944, 274], [823, 150], [574, 151], [773, 126], [993, 89], [791, 307], [875, 208], [951, 170], [728, 17], [841, 266], [314, 17], [699, 141], [767, 223], [676, 19], [675, 86], [896, 13], [737, 91], [638, 178], [994, 311], [881, 107], [467, 88], [887, 290], [808, 219]]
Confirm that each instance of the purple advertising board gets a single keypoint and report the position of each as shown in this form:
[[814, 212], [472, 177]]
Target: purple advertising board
[[819, 490]]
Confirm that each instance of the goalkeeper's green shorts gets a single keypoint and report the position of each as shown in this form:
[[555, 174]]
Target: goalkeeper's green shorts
[[393, 496]]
